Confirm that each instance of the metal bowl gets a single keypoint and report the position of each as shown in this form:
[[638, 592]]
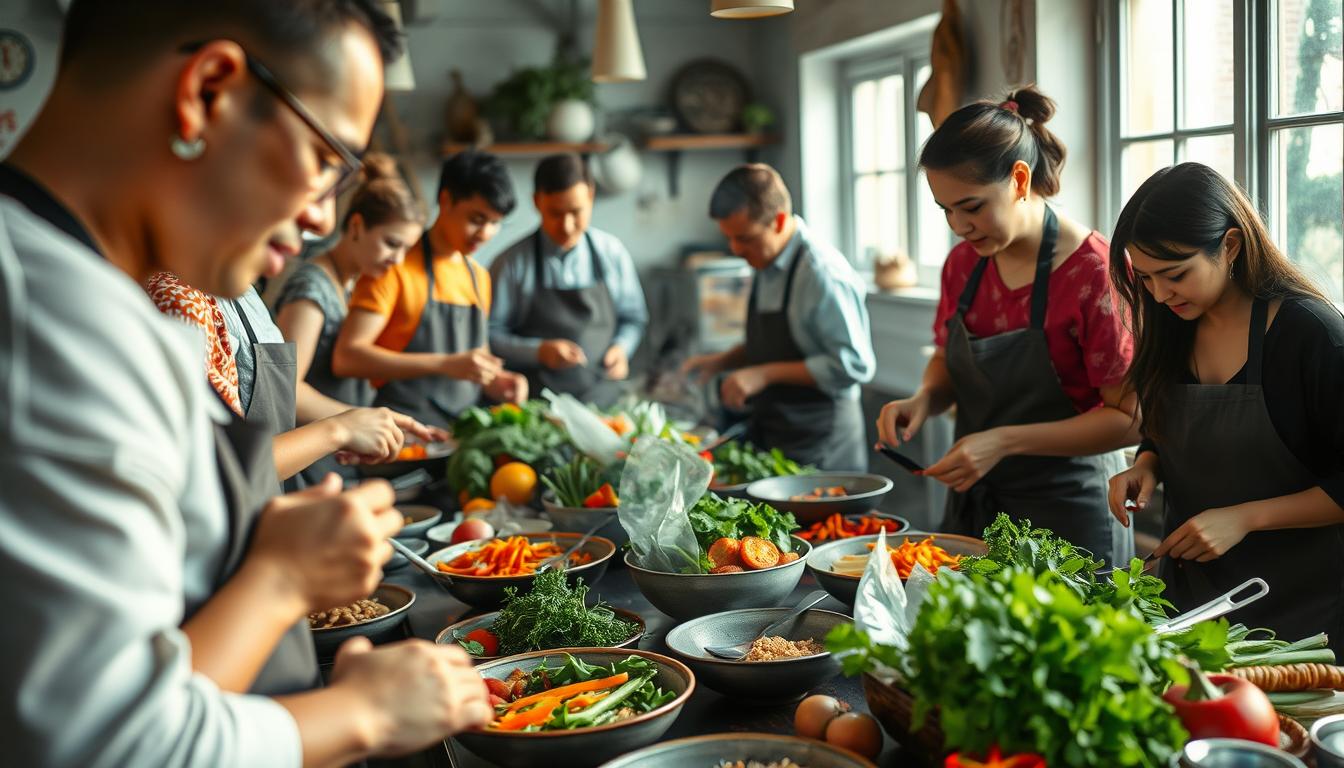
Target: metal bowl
[[488, 591], [844, 588], [581, 747], [1233, 753], [765, 747], [399, 561], [580, 519], [435, 462], [865, 493], [386, 627], [760, 680], [734, 491], [689, 595], [450, 633], [422, 518], [441, 535], [1327, 741], [902, 524]]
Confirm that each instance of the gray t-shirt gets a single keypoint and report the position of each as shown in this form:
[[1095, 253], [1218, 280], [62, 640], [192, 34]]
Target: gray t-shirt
[[309, 282], [263, 326]]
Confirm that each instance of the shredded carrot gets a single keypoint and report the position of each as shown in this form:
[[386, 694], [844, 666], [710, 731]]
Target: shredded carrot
[[925, 553], [514, 556], [573, 689]]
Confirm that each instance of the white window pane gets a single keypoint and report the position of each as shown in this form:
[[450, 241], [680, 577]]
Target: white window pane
[[1140, 160], [867, 214], [1149, 72], [1308, 62], [864, 116], [891, 203], [890, 123], [923, 125], [1217, 152], [934, 234], [1207, 60], [1307, 196]]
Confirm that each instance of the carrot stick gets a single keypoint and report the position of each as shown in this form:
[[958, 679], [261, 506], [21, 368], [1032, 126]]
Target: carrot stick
[[573, 689]]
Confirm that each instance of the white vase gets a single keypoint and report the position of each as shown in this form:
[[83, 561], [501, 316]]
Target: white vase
[[571, 121], [618, 169]]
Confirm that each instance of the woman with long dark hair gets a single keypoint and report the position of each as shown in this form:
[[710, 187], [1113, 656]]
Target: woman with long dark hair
[[1239, 366], [1030, 348]]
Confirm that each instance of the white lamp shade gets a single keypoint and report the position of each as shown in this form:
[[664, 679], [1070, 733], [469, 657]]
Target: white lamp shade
[[617, 55], [748, 9], [398, 76]]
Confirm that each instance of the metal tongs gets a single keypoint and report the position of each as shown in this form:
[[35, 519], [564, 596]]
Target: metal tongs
[[1215, 608]]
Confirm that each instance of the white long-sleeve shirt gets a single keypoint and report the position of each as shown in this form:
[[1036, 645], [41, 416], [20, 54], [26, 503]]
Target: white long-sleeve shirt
[[111, 519]]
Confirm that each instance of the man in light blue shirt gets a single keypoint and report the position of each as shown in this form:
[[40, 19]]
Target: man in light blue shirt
[[568, 307], [808, 345]]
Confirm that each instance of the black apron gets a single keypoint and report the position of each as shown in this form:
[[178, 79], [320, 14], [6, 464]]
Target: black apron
[[1221, 449], [247, 473], [443, 329], [807, 424], [274, 387], [1009, 379], [585, 316]]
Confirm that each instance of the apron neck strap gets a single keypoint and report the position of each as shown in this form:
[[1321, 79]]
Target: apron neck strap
[[43, 204], [539, 259], [1040, 285], [798, 256], [1255, 348], [242, 316]]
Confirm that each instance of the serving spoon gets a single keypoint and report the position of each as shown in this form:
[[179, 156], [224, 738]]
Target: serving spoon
[[739, 651]]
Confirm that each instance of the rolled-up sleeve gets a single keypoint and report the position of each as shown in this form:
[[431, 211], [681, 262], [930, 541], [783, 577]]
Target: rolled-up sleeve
[[632, 314], [512, 278], [828, 316]]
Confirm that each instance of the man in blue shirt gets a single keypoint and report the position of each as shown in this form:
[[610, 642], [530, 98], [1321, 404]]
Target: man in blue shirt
[[808, 345], [568, 307]]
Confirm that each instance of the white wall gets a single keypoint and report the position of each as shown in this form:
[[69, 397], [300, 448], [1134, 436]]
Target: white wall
[[488, 40]]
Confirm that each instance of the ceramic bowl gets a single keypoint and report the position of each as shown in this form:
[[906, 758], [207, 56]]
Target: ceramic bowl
[[441, 535], [844, 588], [382, 629], [865, 492], [763, 747], [687, 596], [452, 632], [488, 591], [420, 518], [580, 519]]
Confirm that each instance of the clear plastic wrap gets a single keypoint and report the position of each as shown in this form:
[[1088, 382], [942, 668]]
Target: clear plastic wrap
[[660, 483]]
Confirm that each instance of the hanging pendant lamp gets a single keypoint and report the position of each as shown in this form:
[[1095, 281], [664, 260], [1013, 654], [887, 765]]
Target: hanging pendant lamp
[[749, 9], [617, 56], [398, 76]]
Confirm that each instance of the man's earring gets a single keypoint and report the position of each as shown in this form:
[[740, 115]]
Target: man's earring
[[188, 150]]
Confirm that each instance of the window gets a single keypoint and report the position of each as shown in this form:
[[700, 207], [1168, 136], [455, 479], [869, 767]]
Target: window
[[887, 204], [1268, 113]]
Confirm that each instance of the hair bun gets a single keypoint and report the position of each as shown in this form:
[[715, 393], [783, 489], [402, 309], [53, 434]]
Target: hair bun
[[1031, 104], [380, 166]]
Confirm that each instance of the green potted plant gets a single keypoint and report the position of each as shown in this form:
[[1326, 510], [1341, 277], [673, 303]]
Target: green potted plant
[[756, 117], [554, 101]]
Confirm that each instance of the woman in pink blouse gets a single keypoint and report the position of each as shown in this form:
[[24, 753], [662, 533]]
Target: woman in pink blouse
[[1030, 347]]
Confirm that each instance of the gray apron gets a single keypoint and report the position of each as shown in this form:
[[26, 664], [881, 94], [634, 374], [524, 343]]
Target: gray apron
[[585, 316], [1220, 450], [354, 392], [247, 473], [1009, 379], [443, 329], [807, 424], [274, 388]]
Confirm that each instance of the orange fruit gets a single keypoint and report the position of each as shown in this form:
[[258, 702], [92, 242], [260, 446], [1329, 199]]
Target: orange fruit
[[478, 504], [514, 481], [463, 497]]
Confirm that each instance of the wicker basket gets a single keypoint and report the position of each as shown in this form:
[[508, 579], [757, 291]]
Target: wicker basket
[[894, 707]]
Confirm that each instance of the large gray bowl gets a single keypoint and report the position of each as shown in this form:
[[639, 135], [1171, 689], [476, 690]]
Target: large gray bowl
[[758, 680], [580, 519], [707, 751], [844, 588], [382, 629], [488, 591], [448, 635], [685, 596], [865, 493], [422, 516], [734, 491], [580, 747]]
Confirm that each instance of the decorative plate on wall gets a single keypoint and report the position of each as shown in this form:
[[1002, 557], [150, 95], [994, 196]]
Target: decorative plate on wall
[[708, 96]]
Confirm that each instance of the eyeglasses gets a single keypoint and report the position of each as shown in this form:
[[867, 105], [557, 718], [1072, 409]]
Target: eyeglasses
[[335, 179]]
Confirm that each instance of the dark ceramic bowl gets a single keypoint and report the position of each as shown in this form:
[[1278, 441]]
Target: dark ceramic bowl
[[382, 629], [844, 588], [686, 596], [422, 518], [709, 750], [488, 591], [864, 492], [450, 633]]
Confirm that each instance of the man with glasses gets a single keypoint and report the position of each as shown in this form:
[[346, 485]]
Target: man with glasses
[[149, 605]]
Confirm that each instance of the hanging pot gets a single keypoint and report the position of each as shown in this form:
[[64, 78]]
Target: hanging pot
[[618, 169]]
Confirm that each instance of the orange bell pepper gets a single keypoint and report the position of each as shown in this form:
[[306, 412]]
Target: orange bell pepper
[[995, 760], [573, 689], [538, 715], [601, 498]]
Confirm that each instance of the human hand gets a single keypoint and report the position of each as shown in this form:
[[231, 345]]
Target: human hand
[[617, 363], [475, 365], [970, 458], [558, 354], [1206, 536], [900, 420], [742, 385], [1130, 490]]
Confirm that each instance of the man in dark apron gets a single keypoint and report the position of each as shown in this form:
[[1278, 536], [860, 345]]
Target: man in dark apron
[[569, 310], [1220, 450], [1009, 379], [808, 347]]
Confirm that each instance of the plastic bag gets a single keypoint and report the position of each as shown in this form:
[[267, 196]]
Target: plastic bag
[[589, 433], [885, 608], [660, 483]]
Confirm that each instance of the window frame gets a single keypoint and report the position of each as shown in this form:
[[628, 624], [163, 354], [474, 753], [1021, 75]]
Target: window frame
[[1254, 49], [905, 60]]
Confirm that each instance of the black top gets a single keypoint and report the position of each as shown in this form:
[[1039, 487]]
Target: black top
[[1304, 387]]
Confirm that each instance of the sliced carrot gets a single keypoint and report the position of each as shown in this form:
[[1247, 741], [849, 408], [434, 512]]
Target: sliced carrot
[[538, 715], [725, 551], [585, 700], [788, 557], [727, 569], [573, 689], [758, 554]]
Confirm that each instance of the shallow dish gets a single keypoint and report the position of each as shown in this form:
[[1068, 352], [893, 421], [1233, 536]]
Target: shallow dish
[[422, 517], [450, 633], [488, 591], [844, 588], [758, 680], [707, 751], [580, 519], [865, 492], [387, 627], [688, 595], [586, 746], [442, 534]]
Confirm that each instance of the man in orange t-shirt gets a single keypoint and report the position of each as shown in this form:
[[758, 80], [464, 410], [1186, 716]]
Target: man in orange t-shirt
[[419, 331]]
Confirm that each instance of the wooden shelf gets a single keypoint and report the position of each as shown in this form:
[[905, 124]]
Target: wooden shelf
[[531, 148], [708, 141]]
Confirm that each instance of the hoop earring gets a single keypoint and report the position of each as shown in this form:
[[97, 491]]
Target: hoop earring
[[188, 150]]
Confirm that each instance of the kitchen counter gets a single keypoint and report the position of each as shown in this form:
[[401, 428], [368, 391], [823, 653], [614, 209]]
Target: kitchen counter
[[707, 712]]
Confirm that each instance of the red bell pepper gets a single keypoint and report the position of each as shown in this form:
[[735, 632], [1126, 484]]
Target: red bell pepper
[[602, 498], [1223, 706], [995, 760]]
